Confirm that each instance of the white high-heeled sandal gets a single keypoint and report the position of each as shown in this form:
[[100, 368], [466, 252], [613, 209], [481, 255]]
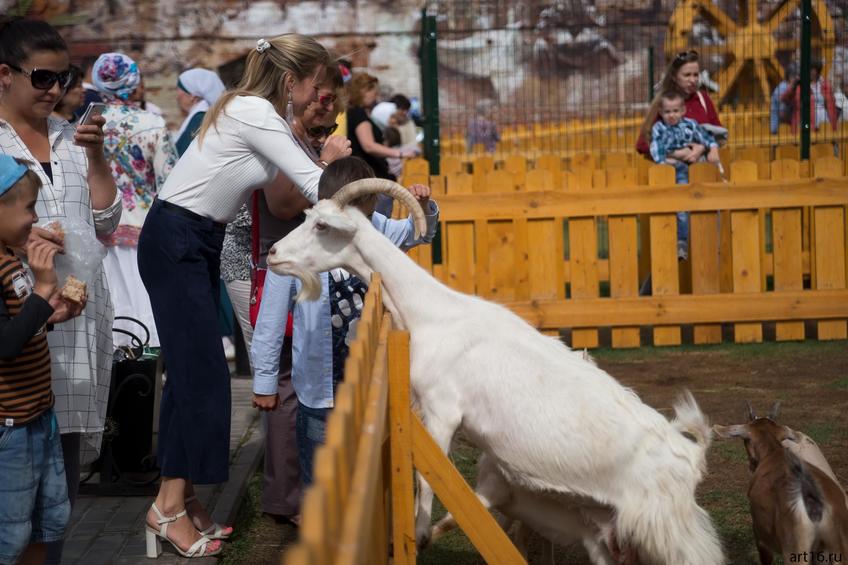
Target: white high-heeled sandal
[[216, 530], [154, 538]]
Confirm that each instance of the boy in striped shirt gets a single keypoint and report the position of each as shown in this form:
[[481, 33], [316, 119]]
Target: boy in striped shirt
[[34, 507]]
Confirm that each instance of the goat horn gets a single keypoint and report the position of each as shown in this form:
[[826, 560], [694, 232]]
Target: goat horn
[[751, 415], [774, 411], [365, 187]]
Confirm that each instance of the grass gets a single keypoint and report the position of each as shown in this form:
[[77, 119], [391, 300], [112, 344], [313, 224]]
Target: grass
[[840, 384], [237, 549], [752, 351]]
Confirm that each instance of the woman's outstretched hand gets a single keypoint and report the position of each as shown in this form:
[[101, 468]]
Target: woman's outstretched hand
[[335, 148]]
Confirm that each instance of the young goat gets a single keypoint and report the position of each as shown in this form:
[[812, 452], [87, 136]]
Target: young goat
[[798, 510], [553, 421]]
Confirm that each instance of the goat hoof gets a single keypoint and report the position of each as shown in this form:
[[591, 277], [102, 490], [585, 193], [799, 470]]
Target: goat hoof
[[423, 541]]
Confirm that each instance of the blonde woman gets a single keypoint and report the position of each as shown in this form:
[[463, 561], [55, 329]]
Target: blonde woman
[[245, 140]]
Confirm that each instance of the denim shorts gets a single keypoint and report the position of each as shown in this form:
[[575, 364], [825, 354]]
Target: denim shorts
[[34, 505]]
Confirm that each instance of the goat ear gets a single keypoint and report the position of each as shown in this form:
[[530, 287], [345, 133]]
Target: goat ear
[[336, 222], [775, 408], [751, 415], [730, 432]]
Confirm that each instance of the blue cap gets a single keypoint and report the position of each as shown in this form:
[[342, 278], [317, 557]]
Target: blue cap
[[10, 173]]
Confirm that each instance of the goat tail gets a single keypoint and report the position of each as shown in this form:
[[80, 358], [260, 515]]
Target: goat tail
[[690, 421], [803, 487], [669, 529], [664, 523]]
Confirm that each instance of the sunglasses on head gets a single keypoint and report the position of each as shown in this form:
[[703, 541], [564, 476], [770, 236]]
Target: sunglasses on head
[[43, 79], [321, 131], [683, 55]]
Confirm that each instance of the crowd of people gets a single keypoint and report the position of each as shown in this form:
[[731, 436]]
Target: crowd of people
[[187, 218], [201, 205]]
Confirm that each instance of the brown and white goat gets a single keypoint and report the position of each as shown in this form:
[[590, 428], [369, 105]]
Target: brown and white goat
[[798, 510]]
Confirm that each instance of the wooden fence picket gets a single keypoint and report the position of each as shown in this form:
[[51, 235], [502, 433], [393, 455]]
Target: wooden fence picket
[[746, 249], [786, 250]]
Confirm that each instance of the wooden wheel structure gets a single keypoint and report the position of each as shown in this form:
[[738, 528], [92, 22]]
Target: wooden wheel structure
[[745, 43]]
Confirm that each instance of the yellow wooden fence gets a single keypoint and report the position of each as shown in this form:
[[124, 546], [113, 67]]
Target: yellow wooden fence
[[538, 252], [362, 496]]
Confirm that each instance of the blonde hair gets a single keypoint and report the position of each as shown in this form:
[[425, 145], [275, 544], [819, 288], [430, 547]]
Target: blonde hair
[[668, 84], [359, 85], [265, 73]]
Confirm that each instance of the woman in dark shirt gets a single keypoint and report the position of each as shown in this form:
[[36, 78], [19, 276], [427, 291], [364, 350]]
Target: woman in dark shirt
[[366, 139]]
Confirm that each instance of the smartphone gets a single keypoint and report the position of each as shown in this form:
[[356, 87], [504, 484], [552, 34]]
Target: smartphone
[[94, 109]]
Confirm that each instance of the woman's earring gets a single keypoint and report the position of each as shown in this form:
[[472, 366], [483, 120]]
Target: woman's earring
[[290, 110]]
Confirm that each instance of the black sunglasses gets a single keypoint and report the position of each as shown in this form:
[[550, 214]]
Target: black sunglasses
[[321, 131], [42, 79]]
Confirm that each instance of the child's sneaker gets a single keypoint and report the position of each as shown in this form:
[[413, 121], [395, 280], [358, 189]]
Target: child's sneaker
[[682, 251]]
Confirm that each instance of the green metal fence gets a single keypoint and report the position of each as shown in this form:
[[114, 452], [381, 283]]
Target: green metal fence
[[535, 65]]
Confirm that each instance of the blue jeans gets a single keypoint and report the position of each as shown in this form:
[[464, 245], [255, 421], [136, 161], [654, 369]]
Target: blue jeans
[[311, 433], [34, 505], [681, 176]]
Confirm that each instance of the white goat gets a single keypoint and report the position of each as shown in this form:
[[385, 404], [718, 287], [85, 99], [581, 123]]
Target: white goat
[[553, 421]]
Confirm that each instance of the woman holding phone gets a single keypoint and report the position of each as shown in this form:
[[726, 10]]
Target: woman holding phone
[[244, 141], [77, 183]]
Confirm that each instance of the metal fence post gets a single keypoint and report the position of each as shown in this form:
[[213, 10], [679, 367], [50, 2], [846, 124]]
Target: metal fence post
[[651, 79], [430, 89], [806, 48], [430, 106]]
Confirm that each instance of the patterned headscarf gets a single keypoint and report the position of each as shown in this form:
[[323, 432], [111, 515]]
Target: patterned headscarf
[[115, 75]]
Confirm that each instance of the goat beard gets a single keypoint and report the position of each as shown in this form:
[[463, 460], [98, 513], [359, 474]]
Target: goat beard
[[310, 285]]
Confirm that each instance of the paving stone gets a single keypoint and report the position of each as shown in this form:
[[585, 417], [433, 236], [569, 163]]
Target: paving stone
[[109, 530]]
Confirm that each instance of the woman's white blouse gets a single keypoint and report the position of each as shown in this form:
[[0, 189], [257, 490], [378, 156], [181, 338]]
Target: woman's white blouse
[[242, 152]]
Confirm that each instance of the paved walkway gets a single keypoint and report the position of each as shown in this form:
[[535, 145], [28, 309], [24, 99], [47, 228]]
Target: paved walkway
[[110, 530]]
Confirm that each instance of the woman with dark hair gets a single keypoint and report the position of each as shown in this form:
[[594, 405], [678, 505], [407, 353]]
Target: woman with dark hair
[[73, 98], [77, 183], [682, 75], [822, 100]]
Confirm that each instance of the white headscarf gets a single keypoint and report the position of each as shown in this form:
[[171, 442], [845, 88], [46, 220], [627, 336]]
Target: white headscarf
[[204, 84]]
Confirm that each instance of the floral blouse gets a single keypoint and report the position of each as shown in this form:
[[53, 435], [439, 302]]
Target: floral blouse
[[141, 154]]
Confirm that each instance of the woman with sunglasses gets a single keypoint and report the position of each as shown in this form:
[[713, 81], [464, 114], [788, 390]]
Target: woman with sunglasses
[[683, 76], [77, 183]]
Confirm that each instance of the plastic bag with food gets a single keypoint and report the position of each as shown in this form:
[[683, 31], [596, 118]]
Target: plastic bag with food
[[82, 257]]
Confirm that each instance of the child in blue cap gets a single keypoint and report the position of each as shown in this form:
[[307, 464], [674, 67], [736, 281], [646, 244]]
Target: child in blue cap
[[34, 507]]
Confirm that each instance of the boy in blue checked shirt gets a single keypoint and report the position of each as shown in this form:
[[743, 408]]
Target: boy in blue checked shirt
[[671, 138], [323, 328]]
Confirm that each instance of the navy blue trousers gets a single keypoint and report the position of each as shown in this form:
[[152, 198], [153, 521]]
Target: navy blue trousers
[[179, 259]]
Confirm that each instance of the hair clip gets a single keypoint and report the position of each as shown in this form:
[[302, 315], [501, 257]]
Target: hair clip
[[262, 45]]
